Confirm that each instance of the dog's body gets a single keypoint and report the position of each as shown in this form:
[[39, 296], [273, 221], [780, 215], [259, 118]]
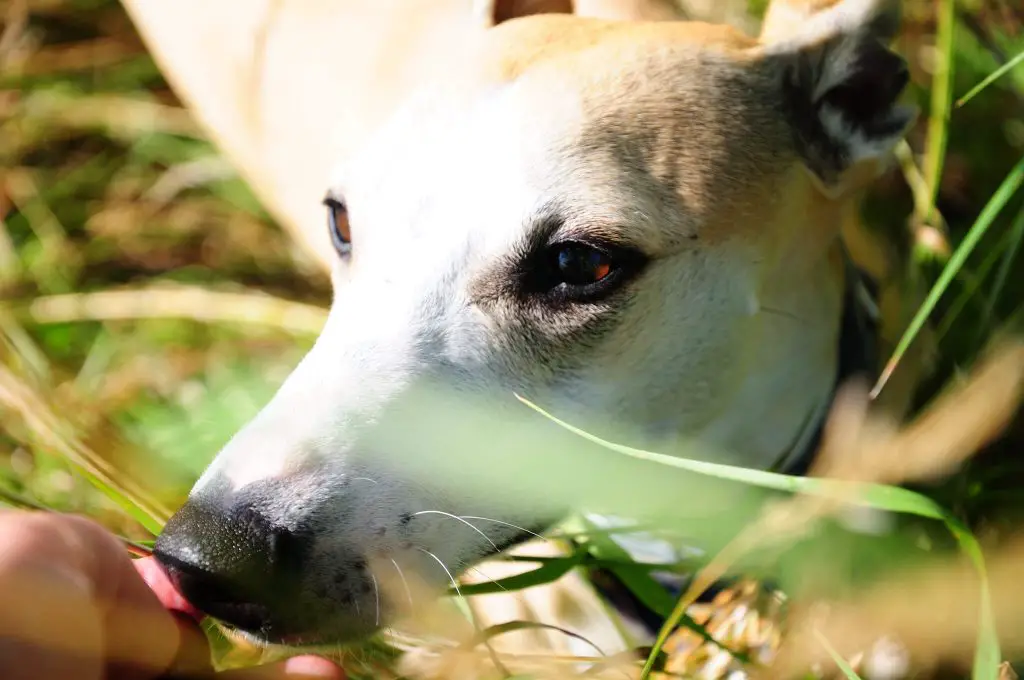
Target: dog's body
[[633, 223]]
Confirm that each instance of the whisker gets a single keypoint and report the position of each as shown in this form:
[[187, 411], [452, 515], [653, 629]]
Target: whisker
[[376, 597], [476, 624], [405, 584], [456, 517], [780, 312], [339, 652], [488, 578], [365, 479], [508, 524], [438, 560]]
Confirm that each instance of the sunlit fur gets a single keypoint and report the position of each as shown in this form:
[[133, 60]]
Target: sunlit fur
[[675, 138]]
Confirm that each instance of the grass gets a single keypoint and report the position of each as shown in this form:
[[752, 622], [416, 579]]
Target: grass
[[149, 307]]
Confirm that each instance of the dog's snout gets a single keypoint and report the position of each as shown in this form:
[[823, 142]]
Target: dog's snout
[[233, 563]]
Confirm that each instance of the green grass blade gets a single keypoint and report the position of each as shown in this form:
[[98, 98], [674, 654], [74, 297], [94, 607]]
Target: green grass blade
[[546, 573], [987, 654], [1015, 237], [637, 579], [609, 562], [12, 499], [882, 497], [491, 632], [988, 214], [891, 498], [845, 667], [972, 287], [16, 500], [151, 523], [991, 78], [941, 100]]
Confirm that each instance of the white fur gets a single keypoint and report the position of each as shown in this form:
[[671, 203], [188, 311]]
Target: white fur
[[789, 28], [860, 147]]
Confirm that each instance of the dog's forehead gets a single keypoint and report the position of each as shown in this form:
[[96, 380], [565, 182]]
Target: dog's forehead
[[641, 127], [517, 47]]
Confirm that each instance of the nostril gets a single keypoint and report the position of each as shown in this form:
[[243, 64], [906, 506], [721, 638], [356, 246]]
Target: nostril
[[280, 548], [287, 549]]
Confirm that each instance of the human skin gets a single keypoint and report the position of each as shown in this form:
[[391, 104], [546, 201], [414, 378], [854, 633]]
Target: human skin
[[74, 606]]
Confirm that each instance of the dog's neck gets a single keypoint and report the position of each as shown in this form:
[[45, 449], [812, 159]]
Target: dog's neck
[[856, 354]]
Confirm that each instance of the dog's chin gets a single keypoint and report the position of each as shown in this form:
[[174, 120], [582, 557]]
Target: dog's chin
[[330, 635], [305, 642], [249, 639]]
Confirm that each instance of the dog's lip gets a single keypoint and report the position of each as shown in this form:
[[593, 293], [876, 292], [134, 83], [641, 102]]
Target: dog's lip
[[171, 598], [260, 640], [158, 581]]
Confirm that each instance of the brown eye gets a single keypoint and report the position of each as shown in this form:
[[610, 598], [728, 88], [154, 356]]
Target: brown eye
[[582, 265], [337, 222], [577, 271]]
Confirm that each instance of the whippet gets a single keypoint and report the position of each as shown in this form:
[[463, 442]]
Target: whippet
[[634, 223]]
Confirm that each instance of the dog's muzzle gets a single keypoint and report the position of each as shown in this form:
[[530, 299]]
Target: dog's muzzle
[[235, 564]]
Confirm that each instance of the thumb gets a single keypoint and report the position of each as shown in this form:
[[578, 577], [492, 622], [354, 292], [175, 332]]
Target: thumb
[[296, 668]]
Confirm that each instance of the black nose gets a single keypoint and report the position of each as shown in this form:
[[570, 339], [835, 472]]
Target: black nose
[[234, 564]]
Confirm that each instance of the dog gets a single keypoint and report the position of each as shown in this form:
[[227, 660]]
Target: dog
[[630, 219]]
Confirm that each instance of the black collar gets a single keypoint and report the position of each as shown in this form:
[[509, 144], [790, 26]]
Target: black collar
[[858, 353]]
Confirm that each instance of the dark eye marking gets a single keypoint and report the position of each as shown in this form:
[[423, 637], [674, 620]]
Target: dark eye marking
[[337, 223]]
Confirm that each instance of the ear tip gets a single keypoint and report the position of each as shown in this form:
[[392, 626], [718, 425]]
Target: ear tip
[[802, 22], [848, 83], [886, 19]]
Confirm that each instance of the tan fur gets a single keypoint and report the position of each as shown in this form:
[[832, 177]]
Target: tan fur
[[290, 89], [296, 85]]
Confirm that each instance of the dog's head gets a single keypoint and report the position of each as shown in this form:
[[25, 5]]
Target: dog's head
[[632, 224]]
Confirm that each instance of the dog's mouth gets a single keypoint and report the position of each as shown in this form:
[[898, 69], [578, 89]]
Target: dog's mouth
[[250, 639], [283, 622], [166, 592], [240, 621]]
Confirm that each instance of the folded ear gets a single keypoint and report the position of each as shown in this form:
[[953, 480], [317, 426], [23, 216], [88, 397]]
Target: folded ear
[[494, 12], [840, 83]]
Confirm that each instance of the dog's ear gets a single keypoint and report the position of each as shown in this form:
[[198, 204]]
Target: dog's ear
[[494, 12], [840, 83]]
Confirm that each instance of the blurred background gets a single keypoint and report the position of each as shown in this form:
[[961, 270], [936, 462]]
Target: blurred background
[[142, 284], [149, 306]]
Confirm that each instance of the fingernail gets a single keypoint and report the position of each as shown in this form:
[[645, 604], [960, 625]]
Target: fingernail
[[313, 666]]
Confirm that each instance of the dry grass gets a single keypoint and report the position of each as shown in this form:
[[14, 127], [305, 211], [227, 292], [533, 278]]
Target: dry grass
[[148, 306]]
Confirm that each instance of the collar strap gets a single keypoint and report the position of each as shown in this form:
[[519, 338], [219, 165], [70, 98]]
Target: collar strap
[[858, 355]]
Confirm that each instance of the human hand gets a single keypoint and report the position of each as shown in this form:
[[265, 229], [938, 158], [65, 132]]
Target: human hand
[[73, 606]]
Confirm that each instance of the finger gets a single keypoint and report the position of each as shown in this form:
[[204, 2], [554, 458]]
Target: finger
[[49, 624], [68, 592], [193, 657]]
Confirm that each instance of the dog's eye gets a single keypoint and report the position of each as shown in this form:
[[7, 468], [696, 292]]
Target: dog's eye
[[582, 265], [573, 271], [337, 222]]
